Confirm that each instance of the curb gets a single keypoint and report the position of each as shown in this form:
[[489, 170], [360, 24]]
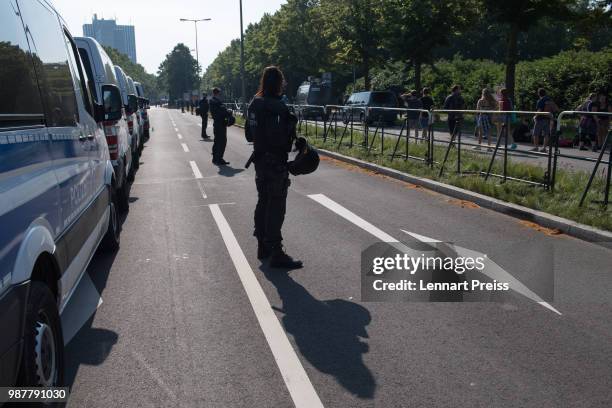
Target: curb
[[572, 228]]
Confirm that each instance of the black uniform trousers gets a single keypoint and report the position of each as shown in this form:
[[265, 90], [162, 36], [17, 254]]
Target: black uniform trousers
[[272, 181], [204, 124], [218, 149]]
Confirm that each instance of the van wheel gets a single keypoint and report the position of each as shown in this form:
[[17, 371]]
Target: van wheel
[[42, 363], [111, 240], [123, 197]]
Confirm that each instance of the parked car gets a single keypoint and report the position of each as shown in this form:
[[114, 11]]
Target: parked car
[[100, 71], [57, 201], [363, 106], [133, 93], [130, 104], [144, 106]]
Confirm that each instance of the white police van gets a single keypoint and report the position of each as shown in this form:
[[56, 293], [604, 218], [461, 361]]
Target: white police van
[[56, 187], [101, 71], [130, 101]]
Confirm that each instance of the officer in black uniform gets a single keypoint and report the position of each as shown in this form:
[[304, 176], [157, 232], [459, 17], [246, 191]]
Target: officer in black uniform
[[271, 128], [204, 115], [220, 115]]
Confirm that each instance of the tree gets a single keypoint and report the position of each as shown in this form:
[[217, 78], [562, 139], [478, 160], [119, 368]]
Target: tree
[[179, 72], [518, 16], [352, 28], [413, 29], [136, 71]]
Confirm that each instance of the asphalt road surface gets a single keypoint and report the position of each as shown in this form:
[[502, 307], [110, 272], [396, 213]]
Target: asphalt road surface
[[188, 317]]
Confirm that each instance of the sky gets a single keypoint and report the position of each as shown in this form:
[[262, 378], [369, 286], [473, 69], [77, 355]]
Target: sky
[[157, 24]]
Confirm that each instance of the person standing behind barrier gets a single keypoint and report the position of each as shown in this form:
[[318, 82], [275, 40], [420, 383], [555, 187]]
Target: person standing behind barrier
[[483, 121], [272, 128], [426, 103], [505, 104], [412, 101], [219, 114], [542, 123], [204, 114], [454, 101], [587, 127], [603, 121]]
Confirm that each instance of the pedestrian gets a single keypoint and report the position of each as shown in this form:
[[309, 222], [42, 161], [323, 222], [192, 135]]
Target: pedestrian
[[543, 123], [603, 121], [454, 101], [427, 103], [271, 127], [587, 127], [220, 115], [483, 121], [204, 114], [412, 102], [505, 104]]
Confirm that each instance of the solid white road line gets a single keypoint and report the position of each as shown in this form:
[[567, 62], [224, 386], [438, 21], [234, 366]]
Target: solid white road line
[[185, 147], [179, 136], [301, 389], [194, 168]]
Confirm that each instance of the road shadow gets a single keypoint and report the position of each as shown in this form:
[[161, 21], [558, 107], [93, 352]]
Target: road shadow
[[327, 333], [228, 171], [92, 345]]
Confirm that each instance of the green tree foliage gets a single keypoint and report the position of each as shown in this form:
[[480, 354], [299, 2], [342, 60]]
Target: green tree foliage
[[413, 29], [519, 16], [178, 73], [136, 71], [390, 44]]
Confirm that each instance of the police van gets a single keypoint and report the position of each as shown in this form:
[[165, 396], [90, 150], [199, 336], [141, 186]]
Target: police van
[[316, 93], [56, 187], [101, 71], [130, 102]]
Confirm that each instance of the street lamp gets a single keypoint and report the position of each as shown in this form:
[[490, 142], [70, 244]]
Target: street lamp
[[195, 24], [242, 56]]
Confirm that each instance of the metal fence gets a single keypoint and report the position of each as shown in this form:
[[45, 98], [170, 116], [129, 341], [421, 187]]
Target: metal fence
[[374, 126]]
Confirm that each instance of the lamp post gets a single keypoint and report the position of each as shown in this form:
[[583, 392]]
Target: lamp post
[[242, 57], [195, 24]]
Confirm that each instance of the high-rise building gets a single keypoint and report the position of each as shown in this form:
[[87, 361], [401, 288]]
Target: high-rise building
[[108, 32]]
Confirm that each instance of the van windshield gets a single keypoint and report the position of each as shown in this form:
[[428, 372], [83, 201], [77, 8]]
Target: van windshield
[[386, 99]]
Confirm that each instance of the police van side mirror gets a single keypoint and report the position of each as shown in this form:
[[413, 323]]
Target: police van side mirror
[[111, 108]]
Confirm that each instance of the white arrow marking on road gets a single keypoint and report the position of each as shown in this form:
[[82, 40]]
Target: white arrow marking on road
[[185, 147], [194, 168], [300, 388], [492, 270]]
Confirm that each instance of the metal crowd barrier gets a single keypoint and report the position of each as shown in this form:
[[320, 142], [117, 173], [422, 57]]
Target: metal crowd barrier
[[607, 142]]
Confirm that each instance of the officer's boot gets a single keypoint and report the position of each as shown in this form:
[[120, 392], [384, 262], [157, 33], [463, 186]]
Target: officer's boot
[[279, 259], [263, 250]]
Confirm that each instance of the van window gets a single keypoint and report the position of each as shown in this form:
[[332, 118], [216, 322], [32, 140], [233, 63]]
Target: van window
[[87, 64], [81, 78], [20, 103], [50, 62], [385, 99]]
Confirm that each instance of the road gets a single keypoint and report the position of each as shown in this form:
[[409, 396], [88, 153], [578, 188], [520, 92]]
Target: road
[[189, 317]]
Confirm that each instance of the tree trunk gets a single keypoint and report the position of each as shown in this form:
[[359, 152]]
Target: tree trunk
[[417, 75], [366, 72], [511, 60]]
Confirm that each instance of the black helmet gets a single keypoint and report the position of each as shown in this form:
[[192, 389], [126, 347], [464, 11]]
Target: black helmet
[[230, 120], [306, 161]]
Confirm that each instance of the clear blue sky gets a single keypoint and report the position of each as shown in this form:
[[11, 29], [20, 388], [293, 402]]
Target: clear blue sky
[[158, 28]]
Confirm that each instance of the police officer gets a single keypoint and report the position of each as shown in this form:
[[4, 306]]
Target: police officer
[[204, 114], [220, 115], [271, 128]]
